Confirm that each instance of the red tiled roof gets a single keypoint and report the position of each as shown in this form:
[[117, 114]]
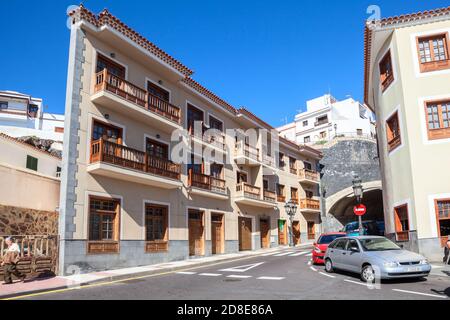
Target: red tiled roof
[[6, 137], [106, 18], [391, 21]]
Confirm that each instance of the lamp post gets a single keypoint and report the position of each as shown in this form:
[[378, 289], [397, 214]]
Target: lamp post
[[291, 210], [358, 192]]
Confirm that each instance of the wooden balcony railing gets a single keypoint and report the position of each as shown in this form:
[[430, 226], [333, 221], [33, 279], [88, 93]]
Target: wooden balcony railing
[[128, 91], [394, 143], [268, 160], [244, 149], [270, 196], [295, 200], [281, 199], [402, 236], [309, 175], [202, 181], [113, 153], [310, 204], [37, 253], [249, 191]]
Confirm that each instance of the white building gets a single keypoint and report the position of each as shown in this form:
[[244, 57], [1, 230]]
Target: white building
[[326, 118], [23, 115]]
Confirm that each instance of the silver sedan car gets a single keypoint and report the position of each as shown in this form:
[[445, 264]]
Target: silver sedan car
[[374, 257]]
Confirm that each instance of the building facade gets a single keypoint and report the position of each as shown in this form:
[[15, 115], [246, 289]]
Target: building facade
[[407, 76], [326, 118], [126, 197]]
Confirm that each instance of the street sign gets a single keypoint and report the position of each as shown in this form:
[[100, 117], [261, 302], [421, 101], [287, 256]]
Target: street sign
[[360, 210]]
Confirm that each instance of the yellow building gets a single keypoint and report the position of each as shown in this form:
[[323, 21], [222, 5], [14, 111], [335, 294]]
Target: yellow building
[[407, 83]]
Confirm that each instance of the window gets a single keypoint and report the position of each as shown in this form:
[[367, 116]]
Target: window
[[215, 124], [393, 132], [401, 223], [281, 160], [241, 177], [3, 105], [156, 223], [59, 129], [157, 149], [266, 184], [280, 191], [58, 172], [438, 119], [194, 115], [352, 244], [32, 163], [293, 165], [433, 53], [107, 132], [294, 195], [309, 194], [112, 67], [32, 110], [307, 139], [307, 165], [443, 217], [321, 120], [103, 219], [323, 135], [386, 72], [158, 92], [216, 170], [305, 123]]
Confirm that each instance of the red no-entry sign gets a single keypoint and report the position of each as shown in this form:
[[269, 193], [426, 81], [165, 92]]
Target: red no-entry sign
[[360, 209]]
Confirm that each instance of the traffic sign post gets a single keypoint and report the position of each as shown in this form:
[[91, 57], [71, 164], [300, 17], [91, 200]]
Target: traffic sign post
[[360, 210]]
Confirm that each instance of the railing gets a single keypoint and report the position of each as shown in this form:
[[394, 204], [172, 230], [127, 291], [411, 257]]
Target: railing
[[293, 170], [295, 200], [319, 123], [268, 160], [402, 236], [130, 92], [113, 153], [244, 149], [394, 142], [249, 191], [206, 182], [305, 174], [270, 196], [310, 204], [354, 135], [37, 253], [281, 199]]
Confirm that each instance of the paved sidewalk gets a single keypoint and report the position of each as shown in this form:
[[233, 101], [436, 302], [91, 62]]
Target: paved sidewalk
[[55, 283], [439, 269]]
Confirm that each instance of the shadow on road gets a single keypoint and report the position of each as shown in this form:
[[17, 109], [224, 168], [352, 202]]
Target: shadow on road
[[445, 292]]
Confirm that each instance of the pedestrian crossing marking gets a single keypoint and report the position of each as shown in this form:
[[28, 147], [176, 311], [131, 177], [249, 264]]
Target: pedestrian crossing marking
[[284, 254], [271, 254], [242, 268], [299, 254], [271, 278], [210, 274], [187, 273], [239, 277]]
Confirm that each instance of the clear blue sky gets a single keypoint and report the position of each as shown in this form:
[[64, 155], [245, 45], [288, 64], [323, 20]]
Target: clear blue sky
[[269, 56]]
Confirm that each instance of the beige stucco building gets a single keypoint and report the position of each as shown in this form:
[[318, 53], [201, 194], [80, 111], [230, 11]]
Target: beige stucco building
[[407, 77], [126, 200]]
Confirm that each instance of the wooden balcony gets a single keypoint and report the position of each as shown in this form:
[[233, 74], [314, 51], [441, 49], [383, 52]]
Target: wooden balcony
[[310, 205], [308, 176], [116, 93], [118, 161], [402, 236], [281, 199], [246, 154], [210, 137], [207, 185], [252, 196], [394, 143], [268, 160]]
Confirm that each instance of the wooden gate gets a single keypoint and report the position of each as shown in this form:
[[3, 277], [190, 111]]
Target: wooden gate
[[296, 232], [245, 234], [265, 233], [282, 232], [196, 233], [38, 254], [217, 234]]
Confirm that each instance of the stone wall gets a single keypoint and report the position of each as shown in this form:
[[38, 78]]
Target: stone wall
[[22, 221]]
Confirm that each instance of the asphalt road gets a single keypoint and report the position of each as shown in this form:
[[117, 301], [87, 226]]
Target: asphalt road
[[286, 275]]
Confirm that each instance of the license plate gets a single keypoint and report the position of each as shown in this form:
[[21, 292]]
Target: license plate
[[413, 269]]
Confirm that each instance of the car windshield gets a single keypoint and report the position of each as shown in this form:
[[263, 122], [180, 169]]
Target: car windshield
[[352, 227], [329, 238], [378, 244]]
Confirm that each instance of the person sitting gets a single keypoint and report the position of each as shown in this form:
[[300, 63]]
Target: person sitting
[[10, 260]]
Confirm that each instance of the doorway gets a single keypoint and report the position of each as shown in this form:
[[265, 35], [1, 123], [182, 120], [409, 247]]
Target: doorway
[[296, 232], [196, 233], [265, 233], [282, 233], [217, 234], [245, 234]]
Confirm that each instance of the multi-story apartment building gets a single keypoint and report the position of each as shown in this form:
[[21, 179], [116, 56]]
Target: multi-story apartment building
[[407, 77], [326, 118], [23, 115], [128, 200]]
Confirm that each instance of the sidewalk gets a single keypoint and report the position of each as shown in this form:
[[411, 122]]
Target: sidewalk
[[440, 270], [56, 283]]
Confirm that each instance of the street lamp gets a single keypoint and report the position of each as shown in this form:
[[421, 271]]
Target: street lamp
[[291, 210], [358, 192]]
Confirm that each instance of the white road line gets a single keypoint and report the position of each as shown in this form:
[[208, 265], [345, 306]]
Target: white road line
[[271, 254], [356, 282], [420, 293], [210, 274], [271, 278], [187, 273], [242, 268], [327, 275], [309, 263], [239, 277], [283, 254], [299, 254], [313, 269], [437, 267], [309, 255]]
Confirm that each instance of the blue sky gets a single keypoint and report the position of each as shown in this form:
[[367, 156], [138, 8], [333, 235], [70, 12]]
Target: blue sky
[[269, 56]]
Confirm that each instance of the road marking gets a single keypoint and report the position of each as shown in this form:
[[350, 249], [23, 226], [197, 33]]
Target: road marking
[[271, 278], [298, 254], [437, 267], [327, 275], [283, 254], [210, 274], [187, 273], [309, 263], [309, 255], [242, 268], [271, 253], [356, 282], [420, 293], [313, 269], [239, 277]]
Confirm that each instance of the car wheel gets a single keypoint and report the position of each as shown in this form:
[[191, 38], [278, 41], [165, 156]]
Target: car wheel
[[329, 266], [368, 274]]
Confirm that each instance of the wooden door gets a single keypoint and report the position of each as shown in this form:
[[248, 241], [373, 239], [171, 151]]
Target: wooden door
[[245, 234], [311, 230], [265, 233], [296, 232], [282, 234], [217, 234], [196, 234]]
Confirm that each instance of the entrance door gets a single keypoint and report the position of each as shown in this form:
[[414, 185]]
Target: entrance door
[[296, 232], [311, 230], [196, 233], [265, 233], [245, 234], [282, 234], [217, 234]]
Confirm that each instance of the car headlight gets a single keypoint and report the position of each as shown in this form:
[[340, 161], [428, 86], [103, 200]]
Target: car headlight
[[317, 250], [390, 264], [424, 261]]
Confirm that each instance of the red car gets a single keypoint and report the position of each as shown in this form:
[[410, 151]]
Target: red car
[[320, 247]]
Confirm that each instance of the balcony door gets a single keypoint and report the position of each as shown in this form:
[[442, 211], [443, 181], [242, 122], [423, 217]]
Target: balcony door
[[157, 149], [242, 177], [194, 115], [108, 132], [110, 65], [158, 92]]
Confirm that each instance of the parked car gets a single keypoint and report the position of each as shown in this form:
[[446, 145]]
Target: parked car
[[372, 257], [320, 247], [371, 228]]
